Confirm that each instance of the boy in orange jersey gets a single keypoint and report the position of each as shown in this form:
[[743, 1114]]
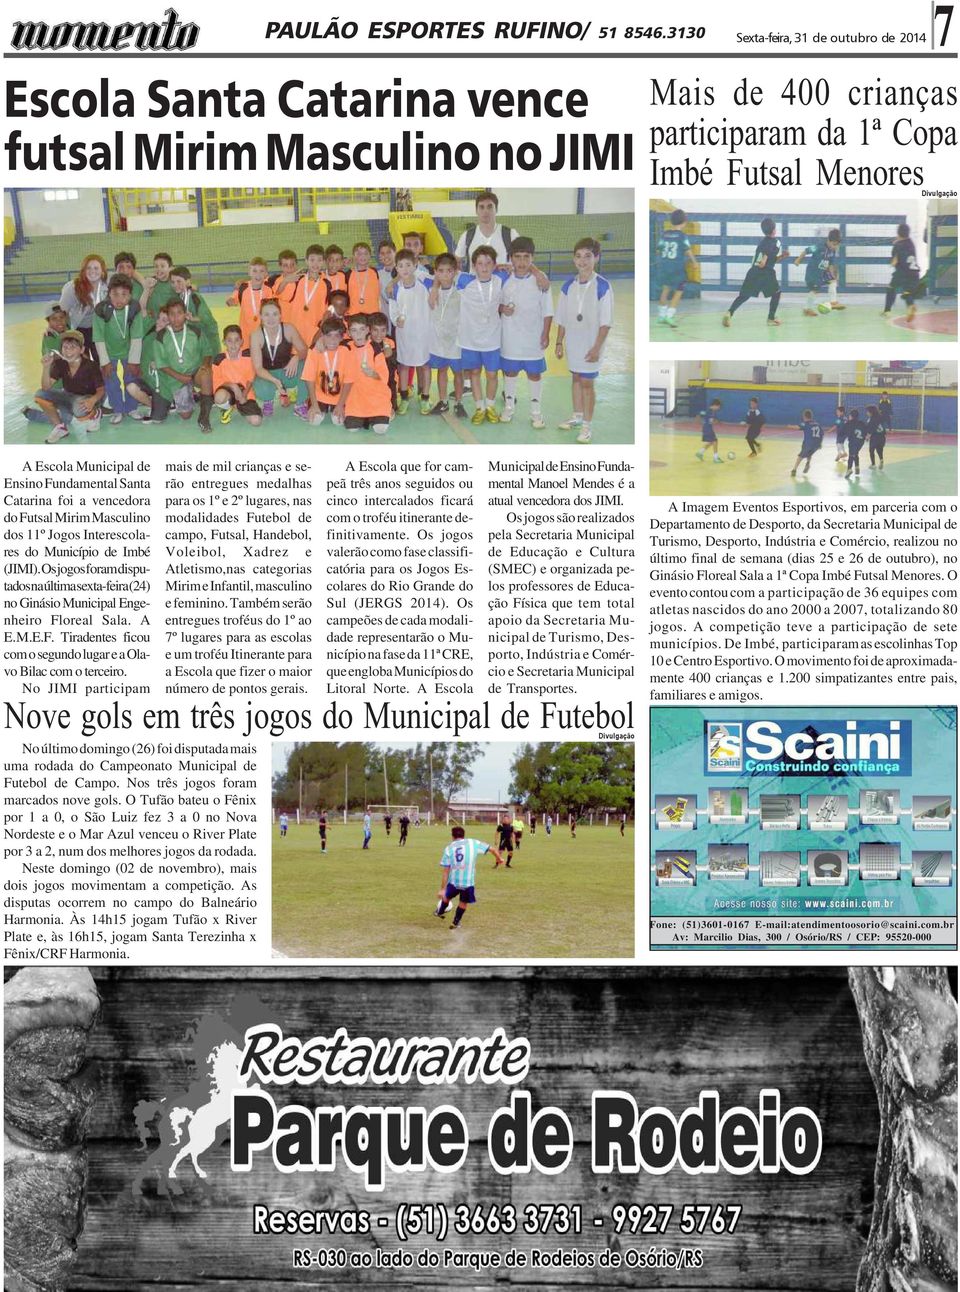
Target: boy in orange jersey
[[284, 283], [250, 296], [233, 376], [309, 304], [323, 373], [365, 399], [363, 282], [336, 278]]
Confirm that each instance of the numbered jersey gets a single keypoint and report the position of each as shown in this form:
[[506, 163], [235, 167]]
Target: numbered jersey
[[673, 246], [821, 265], [768, 252], [812, 435], [461, 856], [905, 257]]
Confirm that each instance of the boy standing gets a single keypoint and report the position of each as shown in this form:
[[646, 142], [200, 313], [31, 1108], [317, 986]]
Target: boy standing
[[367, 830], [363, 282], [250, 296], [505, 838], [410, 314], [158, 290], [459, 863], [526, 311], [322, 827], [284, 283], [445, 334], [309, 302], [761, 277], [198, 311], [336, 278], [480, 328], [673, 252], [856, 434], [118, 339], [584, 318], [840, 431]]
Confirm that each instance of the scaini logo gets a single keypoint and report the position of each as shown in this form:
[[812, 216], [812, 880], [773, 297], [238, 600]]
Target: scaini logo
[[724, 746], [877, 745]]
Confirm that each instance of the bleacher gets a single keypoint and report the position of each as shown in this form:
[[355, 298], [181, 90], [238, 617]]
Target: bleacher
[[218, 255]]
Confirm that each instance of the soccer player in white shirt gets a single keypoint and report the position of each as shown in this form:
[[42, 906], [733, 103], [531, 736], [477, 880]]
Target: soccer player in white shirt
[[445, 334], [459, 862], [526, 312], [410, 315], [480, 330], [584, 317]]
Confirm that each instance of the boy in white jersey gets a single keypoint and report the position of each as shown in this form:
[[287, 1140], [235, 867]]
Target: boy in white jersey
[[480, 294], [445, 334], [584, 317], [459, 862], [526, 313], [410, 314]]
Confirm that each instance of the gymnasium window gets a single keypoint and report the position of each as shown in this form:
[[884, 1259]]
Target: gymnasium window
[[61, 195]]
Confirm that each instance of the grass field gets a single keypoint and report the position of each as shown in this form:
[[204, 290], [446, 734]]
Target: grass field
[[560, 898]]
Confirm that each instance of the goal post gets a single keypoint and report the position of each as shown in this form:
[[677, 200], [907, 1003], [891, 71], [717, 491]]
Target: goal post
[[397, 810]]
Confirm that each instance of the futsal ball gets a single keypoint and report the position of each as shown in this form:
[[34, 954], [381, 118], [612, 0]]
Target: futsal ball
[[731, 456], [823, 309]]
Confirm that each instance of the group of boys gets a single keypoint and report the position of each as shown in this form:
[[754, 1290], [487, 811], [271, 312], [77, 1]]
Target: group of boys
[[851, 430], [357, 343], [674, 252]]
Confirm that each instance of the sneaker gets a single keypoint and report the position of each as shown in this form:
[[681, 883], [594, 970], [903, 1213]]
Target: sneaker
[[773, 323], [585, 436], [116, 419], [835, 305], [727, 320], [478, 417], [571, 424], [810, 314], [885, 314], [793, 472], [204, 424], [672, 323], [492, 415], [848, 475], [92, 423], [302, 411], [425, 409], [284, 399], [439, 408], [381, 428], [911, 313], [226, 415], [661, 321], [441, 915], [403, 403], [59, 432], [881, 466], [717, 457], [454, 927], [459, 409], [268, 408], [509, 409], [699, 456], [536, 420]]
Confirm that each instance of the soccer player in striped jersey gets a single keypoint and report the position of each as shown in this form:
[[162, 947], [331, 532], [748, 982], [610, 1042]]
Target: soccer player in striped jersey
[[459, 862]]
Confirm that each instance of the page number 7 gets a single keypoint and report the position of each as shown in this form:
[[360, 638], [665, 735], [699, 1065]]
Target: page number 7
[[942, 11]]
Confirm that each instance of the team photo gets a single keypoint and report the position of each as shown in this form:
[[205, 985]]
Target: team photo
[[807, 427], [803, 271], [314, 316], [453, 849]]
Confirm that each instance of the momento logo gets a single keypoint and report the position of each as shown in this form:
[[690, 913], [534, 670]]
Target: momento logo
[[170, 34], [810, 747]]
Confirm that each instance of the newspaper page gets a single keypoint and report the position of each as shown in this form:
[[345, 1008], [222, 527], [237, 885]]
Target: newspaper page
[[480, 573]]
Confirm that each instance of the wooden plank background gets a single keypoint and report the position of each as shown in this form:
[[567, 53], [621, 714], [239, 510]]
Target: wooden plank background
[[662, 1035]]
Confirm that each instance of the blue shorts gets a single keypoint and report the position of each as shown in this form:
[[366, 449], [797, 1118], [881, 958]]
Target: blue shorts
[[465, 894], [532, 367], [708, 437], [672, 277], [471, 360], [438, 363], [585, 376]]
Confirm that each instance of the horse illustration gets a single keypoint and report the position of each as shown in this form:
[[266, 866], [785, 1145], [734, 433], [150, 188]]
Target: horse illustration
[[202, 1125]]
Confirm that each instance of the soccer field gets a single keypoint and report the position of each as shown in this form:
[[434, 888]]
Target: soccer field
[[561, 897], [613, 422]]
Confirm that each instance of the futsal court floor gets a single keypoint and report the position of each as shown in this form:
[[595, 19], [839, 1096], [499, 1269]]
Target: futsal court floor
[[613, 422], [861, 321], [914, 465]]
